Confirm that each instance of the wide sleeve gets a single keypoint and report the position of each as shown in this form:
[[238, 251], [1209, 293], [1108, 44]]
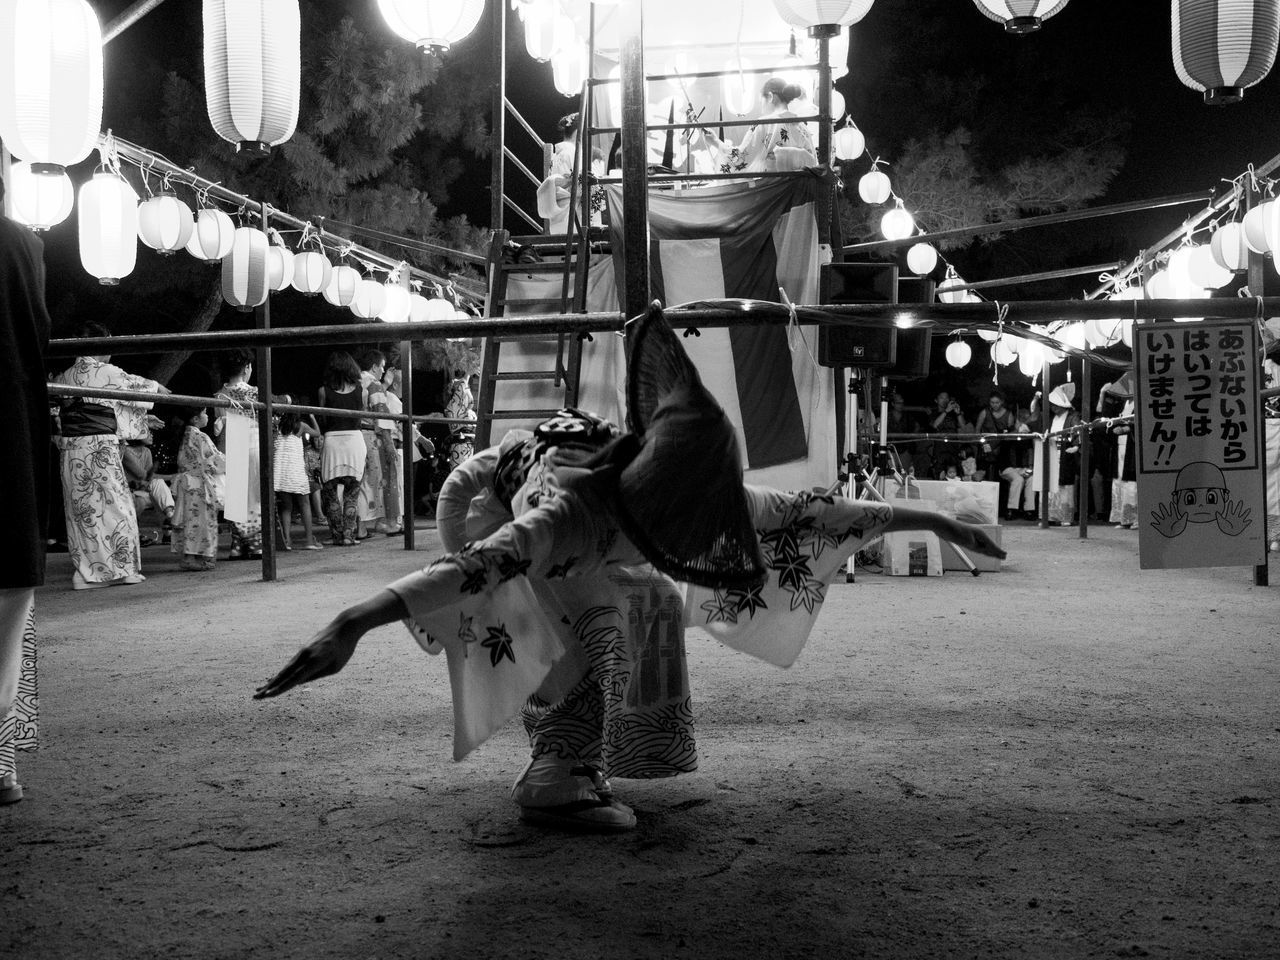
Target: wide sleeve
[[805, 538], [467, 508]]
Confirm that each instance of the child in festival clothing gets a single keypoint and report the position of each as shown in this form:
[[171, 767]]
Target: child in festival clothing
[[293, 485], [195, 494]]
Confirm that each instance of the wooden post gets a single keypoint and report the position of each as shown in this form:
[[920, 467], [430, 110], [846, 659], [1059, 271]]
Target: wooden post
[[498, 131], [1084, 480], [266, 442], [407, 446], [1257, 277], [635, 160]]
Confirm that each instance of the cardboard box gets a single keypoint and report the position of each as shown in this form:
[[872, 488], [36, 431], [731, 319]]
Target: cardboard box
[[951, 560], [953, 497]]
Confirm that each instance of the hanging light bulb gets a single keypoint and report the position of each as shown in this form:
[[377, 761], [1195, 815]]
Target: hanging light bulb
[[253, 71], [897, 224], [165, 223], [244, 270], [40, 200], [433, 26], [280, 266], [848, 141], [311, 272], [341, 289], [395, 308], [1003, 352], [958, 353], [874, 187], [212, 237], [108, 227], [922, 258]]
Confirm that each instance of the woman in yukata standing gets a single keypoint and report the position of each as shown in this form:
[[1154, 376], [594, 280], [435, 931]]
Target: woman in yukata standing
[[236, 433], [769, 146]]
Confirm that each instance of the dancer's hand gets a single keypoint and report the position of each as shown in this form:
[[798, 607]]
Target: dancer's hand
[[974, 539], [322, 657]]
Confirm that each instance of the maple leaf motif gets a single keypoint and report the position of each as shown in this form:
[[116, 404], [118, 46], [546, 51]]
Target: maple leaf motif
[[780, 544], [465, 632], [561, 570], [808, 594], [793, 573], [749, 601], [498, 643], [511, 566], [475, 581], [720, 609]]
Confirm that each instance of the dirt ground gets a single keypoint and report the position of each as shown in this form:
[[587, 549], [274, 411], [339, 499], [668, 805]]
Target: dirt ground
[[1069, 758]]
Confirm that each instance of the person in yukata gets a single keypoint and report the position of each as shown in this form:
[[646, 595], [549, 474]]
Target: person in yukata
[[590, 551]]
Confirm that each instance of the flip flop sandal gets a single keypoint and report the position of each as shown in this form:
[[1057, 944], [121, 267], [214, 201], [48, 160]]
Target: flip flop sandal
[[583, 816]]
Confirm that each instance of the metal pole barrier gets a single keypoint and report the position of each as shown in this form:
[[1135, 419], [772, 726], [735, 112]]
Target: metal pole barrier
[[266, 442], [1084, 479], [407, 446]]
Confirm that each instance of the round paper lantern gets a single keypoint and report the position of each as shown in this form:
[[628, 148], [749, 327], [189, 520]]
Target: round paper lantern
[[279, 267], [436, 25], [211, 239], [40, 200], [546, 30], [1103, 332], [311, 272], [108, 227], [252, 70], [369, 299], [837, 104], [921, 259], [1003, 353], [946, 289], [244, 270], [991, 336], [874, 187], [1270, 218], [1030, 357], [418, 308], [848, 142], [439, 310], [814, 13], [958, 353], [897, 224], [1204, 270], [1179, 273], [1223, 47], [1072, 335], [341, 288], [1020, 16], [1228, 247], [50, 80], [1160, 286], [569, 68], [1255, 235], [395, 307], [165, 223], [738, 89]]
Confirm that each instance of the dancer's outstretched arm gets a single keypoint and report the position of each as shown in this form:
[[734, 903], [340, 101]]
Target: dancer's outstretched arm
[[964, 535]]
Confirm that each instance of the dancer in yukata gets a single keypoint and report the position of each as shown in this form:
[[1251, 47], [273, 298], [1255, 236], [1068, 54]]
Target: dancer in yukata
[[591, 551]]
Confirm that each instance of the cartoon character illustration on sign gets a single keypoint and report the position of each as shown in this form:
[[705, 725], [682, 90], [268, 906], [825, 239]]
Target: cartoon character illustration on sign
[[1200, 495]]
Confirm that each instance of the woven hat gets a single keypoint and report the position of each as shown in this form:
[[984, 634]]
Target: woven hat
[[1123, 387], [680, 498], [1063, 395]]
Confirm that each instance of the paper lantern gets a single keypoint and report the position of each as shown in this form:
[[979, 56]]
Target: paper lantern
[[419, 306], [1223, 47], [921, 259], [1030, 357], [165, 223], [546, 30], [370, 297], [279, 267], [897, 224], [311, 272], [1228, 247], [244, 270], [1254, 224], [40, 200], [1270, 221], [436, 25], [738, 89], [814, 13], [838, 54], [341, 288], [252, 70], [1003, 352], [211, 239], [1205, 271], [1020, 16], [108, 227], [395, 307], [946, 289], [1183, 286], [848, 142], [1160, 285], [438, 310], [874, 187], [958, 353], [50, 80], [569, 68]]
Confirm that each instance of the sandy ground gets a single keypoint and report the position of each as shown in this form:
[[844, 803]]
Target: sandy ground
[[1069, 758]]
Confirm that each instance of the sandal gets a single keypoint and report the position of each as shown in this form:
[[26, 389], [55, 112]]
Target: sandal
[[313, 546], [583, 816]]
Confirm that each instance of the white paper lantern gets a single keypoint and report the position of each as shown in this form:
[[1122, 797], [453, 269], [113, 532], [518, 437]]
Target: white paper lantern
[[1030, 357], [436, 25], [1020, 16], [108, 227], [395, 308], [211, 239], [1223, 47], [848, 142], [311, 272], [165, 223], [1228, 247], [252, 70], [1205, 271], [838, 54], [837, 104], [40, 200], [545, 29], [1270, 218], [369, 299], [1072, 335], [341, 288], [244, 270], [991, 336], [958, 353], [50, 80], [921, 259], [439, 310], [1255, 236], [738, 89], [419, 306], [874, 187], [946, 289], [279, 267], [812, 13], [1003, 352], [569, 68], [1179, 272], [897, 224]]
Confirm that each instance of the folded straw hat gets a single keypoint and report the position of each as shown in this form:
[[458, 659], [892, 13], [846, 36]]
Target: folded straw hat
[[680, 498], [1063, 395]]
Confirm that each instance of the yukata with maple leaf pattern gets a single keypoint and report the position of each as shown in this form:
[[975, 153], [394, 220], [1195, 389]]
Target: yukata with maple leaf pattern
[[504, 643]]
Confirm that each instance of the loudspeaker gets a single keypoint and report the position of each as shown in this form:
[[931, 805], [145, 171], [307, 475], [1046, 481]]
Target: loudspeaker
[[915, 344], [863, 345]]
